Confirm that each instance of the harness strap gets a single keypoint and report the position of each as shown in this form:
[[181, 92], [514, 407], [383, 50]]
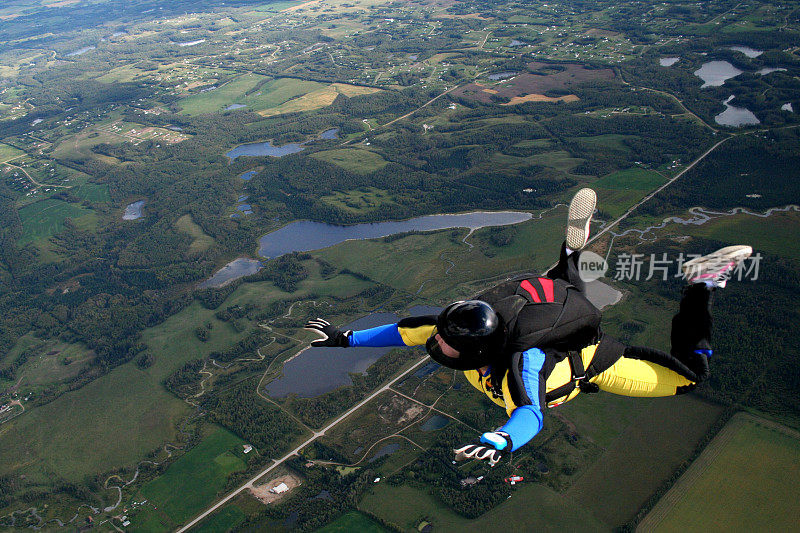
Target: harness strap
[[580, 379]]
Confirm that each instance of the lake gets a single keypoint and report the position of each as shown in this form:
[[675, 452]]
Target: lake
[[746, 50], [388, 449], [668, 61], [305, 235], [502, 75], [134, 210], [714, 73], [736, 116], [235, 106], [332, 133], [81, 51], [265, 148], [234, 270], [435, 422], [602, 295], [769, 70]]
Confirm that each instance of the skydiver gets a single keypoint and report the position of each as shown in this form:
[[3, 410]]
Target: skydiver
[[534, 342]]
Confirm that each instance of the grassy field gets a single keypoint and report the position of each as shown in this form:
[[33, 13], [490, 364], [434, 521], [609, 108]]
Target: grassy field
[[51, 361], [535, 246], [360, 200], [91, 192], [43, 219], [532, 507], [315, 98], [643, 457], [750, 484], [353, 159], [200, 240], [353, 521], [224, 520], [221, 97], [192, 482], [9, 152], [241, 90], [128, 410], [775, 235], [637, 179]]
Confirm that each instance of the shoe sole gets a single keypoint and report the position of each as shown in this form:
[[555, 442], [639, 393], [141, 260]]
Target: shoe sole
[[705, 266], [581, 209]]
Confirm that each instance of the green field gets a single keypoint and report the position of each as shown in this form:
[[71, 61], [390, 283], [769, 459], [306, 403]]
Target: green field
[[50, 361], [43, 219], [9, 152], [532, 507], [644, 456], [750, 484], [353, 159], [636, 179], [353, 521], [127, 410], [224, 520], [92, 192], [192, 482], [200, 240], [362, 200], [271, 94], [775, 235]]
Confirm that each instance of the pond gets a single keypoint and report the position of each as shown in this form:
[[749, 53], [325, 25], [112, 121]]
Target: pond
[[435, 422], [715, 73], [234, 270], [305, 235], [736, 116], [668, 61], [787, 107], [192, 43], [388, 449], [746, 50], [332, 133], [81, 51], [319, 370], [516, 42], [134, 210], [502, 75], [601, 294], [265, 148], [235, 106], [247, 176], [769, 70]]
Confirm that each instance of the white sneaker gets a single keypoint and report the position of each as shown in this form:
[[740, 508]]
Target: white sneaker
[[715, 269], [581, 209]]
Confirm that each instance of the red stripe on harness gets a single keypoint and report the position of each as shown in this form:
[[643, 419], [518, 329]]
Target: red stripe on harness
[[528, 287], [549, 293]]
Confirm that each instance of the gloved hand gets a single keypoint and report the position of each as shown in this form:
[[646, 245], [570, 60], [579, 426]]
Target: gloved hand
[[487, 448], [330, 335]]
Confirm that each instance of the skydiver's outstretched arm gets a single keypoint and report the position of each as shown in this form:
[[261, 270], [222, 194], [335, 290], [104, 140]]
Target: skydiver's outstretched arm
[[411, 331]]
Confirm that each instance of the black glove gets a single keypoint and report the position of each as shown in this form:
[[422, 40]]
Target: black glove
[[485, 448], [330, 335]]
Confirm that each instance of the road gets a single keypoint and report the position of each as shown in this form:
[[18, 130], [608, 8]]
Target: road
[[314, 437]]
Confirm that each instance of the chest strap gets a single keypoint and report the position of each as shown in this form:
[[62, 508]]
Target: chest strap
[[580, 379]]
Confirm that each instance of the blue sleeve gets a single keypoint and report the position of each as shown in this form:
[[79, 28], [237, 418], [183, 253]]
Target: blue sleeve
[[526, 420], [387, 335]]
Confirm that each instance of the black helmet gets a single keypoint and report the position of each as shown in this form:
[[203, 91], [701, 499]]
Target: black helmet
[[474, 329]]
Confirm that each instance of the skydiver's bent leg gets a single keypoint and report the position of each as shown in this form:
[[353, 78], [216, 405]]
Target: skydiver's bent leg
[[567, 268], [637, 377]]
